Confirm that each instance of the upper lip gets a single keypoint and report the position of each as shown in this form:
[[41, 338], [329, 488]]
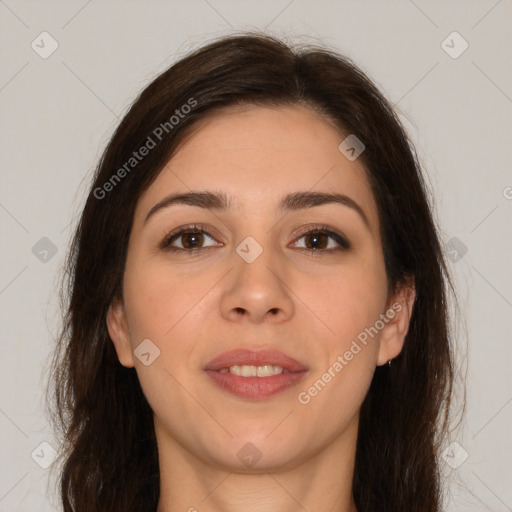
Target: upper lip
[[240, 357]]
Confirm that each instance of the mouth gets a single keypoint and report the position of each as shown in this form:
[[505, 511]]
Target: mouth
[[255, 374]]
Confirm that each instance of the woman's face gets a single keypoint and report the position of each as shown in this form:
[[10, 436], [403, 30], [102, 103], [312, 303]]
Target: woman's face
[[255, 281]]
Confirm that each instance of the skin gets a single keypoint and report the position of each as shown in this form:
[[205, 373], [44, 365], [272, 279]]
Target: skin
[[195, 306]]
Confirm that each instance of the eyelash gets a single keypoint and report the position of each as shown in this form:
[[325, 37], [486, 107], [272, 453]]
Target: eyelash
[[343, 243]]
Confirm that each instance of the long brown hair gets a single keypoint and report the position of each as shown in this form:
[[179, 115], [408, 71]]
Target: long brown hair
[[109, 453]]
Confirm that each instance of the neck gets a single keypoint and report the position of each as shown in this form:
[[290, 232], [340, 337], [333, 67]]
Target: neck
[[319, 482]]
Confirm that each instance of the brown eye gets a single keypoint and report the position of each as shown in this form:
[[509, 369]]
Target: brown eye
[[323, 240], [190, 238], [316, 240]]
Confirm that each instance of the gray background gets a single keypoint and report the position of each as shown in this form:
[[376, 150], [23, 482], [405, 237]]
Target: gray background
[[57, 114]]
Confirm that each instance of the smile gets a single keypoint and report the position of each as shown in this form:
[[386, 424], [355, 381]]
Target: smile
[[255, 375], [266, 370]]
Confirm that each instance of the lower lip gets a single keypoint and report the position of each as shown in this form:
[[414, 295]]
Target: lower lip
[[255, 388]]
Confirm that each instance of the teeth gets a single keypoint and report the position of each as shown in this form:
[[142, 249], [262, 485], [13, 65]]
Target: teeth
[[254, 371]]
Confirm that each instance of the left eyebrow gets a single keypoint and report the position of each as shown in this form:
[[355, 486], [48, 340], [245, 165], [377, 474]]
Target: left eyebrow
[[302, 200], [291, 202]]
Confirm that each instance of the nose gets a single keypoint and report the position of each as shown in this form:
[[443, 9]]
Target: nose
[[258, 291]]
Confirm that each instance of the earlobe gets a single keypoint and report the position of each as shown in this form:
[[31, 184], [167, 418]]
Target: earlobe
[[119, 334], [392, 336]]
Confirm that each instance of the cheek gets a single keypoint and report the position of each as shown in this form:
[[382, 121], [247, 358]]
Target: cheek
[[159, 298], [347, 348], [350, 306], [162, 306], [348, 301]]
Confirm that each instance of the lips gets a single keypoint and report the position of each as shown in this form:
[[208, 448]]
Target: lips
[[242, 357], [255, 388]]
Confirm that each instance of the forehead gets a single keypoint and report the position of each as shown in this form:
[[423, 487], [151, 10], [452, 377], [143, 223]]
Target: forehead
[[250, 135], [259, 154]]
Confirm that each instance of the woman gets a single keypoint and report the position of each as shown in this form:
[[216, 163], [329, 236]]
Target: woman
[[257, 313]]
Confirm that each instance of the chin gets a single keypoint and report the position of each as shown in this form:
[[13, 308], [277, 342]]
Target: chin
[[259, 449], [251, 457]]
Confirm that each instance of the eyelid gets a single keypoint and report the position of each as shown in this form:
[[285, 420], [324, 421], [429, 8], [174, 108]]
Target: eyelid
[[175, 233], [337, 236]]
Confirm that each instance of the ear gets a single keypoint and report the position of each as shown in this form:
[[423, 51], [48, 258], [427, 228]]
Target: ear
[[119, 334], [398, 312]]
